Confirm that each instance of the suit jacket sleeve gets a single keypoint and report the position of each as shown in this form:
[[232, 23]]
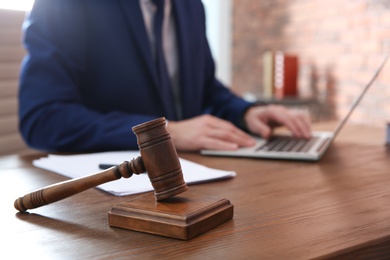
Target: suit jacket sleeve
[[198, 69]]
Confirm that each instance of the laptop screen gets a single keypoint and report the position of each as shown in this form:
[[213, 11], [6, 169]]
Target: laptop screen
[[359, 98]]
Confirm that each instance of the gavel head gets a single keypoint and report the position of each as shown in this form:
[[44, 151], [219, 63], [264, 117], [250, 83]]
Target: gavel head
[[160, 158]]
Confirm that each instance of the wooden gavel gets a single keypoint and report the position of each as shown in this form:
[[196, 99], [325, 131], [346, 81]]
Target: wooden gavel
[[158, 158]]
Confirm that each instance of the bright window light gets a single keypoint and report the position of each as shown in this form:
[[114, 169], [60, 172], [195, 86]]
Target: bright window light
[[22, 5]]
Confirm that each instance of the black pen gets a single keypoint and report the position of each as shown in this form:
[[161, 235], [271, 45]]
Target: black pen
[[105, 166]]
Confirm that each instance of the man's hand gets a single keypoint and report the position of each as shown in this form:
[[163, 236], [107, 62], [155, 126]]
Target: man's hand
[[262, 119], [207, 132]]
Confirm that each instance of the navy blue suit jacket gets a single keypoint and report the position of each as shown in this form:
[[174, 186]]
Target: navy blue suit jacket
[[89, 74]]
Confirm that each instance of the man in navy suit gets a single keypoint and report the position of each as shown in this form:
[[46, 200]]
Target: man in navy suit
[[90, 75]]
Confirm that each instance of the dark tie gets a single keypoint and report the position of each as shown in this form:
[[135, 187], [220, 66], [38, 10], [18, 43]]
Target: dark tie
[[162, 72]]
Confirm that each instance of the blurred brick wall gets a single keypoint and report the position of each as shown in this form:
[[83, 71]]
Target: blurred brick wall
[[339, 44]]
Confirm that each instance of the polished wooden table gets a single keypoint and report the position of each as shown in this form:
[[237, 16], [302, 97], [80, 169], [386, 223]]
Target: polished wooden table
[[338, 207]]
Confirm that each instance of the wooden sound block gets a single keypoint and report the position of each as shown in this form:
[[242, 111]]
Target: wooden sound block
[[184, 216]]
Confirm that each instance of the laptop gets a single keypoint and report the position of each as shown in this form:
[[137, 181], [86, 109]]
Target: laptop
[[291, 148]]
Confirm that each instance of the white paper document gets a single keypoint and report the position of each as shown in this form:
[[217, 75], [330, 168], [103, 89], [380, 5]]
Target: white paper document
[[76, 166]]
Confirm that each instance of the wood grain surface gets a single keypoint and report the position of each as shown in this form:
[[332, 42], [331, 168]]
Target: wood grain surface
[[336, 208]]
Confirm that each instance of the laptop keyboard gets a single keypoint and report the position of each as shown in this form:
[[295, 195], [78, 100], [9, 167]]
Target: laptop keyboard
[[287, 144]]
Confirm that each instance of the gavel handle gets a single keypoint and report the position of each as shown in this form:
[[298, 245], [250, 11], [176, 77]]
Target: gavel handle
[[68, 188]]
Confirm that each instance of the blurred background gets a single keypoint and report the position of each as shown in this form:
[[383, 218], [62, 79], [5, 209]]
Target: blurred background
[[339, 45]]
